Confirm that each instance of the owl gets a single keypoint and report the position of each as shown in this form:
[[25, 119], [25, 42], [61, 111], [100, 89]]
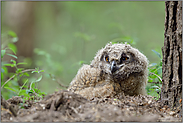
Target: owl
[[116, 68]]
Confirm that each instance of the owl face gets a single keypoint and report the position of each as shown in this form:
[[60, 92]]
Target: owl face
[[116, 61], [119, 61]]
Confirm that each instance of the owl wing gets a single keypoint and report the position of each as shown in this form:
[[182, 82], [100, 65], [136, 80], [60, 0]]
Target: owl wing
[[90, 82], [87, 76]]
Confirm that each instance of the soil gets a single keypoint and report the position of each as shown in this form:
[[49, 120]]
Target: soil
[[65, 106]]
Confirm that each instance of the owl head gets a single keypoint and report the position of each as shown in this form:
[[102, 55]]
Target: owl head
[[120, 61]]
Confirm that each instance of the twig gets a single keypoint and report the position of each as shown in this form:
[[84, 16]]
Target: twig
[[17, 74], [156, 75], [67, 113], [74, 110], [34, 92], [58, 81]]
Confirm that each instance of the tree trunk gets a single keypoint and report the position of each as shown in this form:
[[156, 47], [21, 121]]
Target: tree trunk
[[19, 17], [171, 92]]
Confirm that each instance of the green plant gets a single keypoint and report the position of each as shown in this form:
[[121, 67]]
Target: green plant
[[10, 87], [53, 69], [48, 64], [155, 78]]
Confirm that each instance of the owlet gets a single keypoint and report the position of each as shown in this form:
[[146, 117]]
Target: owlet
[[116, 68]]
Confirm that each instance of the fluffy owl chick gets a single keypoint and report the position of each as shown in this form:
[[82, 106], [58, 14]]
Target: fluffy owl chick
[[116, 68]]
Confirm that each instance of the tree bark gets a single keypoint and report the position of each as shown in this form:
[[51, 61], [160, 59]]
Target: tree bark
[[171, 92]]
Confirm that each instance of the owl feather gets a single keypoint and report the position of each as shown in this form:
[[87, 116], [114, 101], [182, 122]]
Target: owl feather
[[116, 68]]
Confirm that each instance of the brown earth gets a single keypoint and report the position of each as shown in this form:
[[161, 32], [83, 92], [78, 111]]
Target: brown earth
[[65, 106]]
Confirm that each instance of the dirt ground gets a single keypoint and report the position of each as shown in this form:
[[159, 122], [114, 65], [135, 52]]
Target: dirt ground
[[65, 106]]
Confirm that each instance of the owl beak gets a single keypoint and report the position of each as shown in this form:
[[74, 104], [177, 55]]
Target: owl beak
[[113, 66]]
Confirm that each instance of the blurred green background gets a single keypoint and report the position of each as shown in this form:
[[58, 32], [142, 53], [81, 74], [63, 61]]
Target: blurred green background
[[65, 34]]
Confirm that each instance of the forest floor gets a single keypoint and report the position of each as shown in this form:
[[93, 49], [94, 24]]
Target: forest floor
[[65, 106]]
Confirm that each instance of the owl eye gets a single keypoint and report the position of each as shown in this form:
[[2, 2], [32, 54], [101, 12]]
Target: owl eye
[[125, 58], [107, 58]]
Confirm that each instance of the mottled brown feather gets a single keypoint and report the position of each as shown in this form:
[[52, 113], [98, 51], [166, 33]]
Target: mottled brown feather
[[97, 80]]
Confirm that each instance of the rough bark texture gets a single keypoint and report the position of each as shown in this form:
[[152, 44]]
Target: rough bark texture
[[171, 93]]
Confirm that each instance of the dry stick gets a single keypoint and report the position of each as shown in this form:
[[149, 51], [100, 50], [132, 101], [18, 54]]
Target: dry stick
[[58, 81], [17, 74], [74, 110]]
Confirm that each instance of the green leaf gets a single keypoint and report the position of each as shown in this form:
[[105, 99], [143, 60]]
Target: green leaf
[[13, 34], [39, 79], [26, 74], [3, 53], [33, 85], [12, 47], [12, 56], [12, 65], [25, 86], [19, 69], [41, 71], [150, 80], [10, 89], [34, 71], [161, 63], [14, 62], [37, 70], [21, 63], [158, 54], [20, 75], [24, 93], [36, 90]]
